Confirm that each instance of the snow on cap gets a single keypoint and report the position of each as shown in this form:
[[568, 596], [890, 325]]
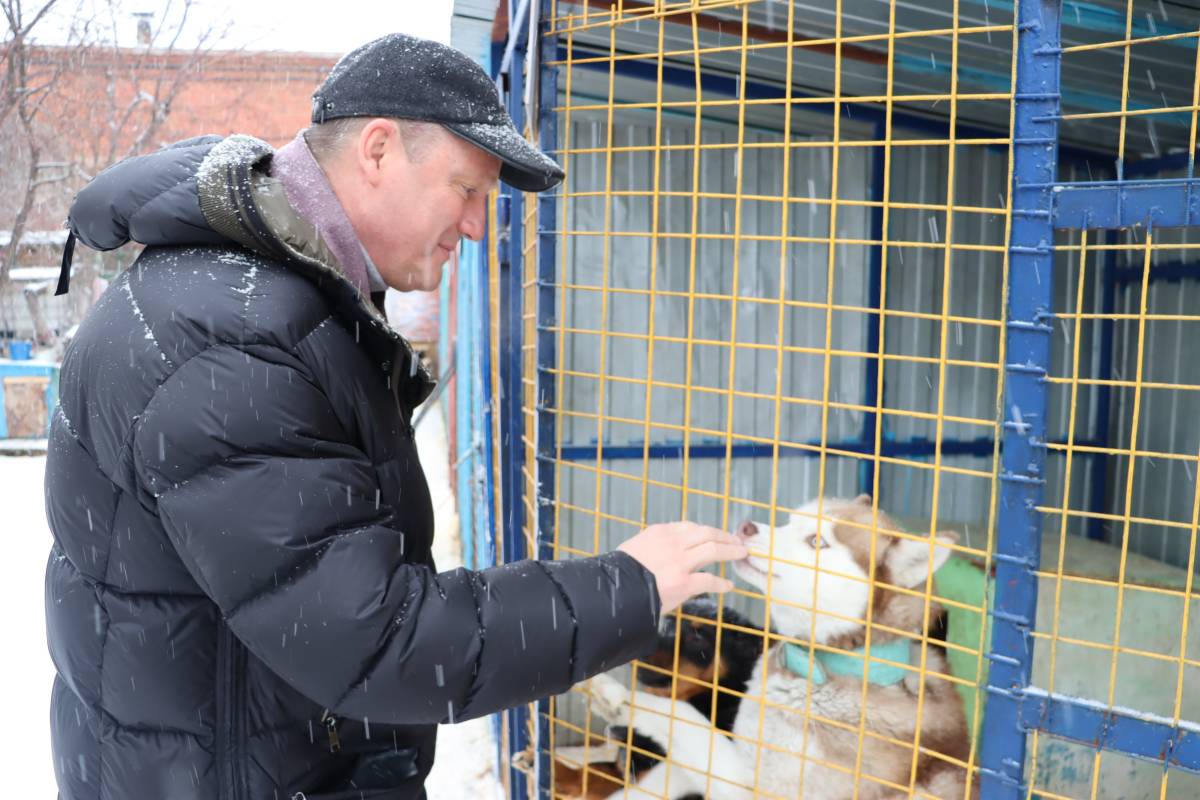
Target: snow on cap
[[405, 77]]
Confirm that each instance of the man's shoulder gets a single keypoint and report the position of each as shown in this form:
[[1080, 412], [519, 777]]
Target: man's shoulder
[[229, 293]]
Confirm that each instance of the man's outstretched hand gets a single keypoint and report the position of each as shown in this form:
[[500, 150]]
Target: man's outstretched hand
[[675, 551]]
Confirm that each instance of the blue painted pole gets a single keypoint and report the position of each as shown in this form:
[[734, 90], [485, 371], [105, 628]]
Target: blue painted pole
[[463, 349], [546, 356], [1028, 332], [512, 424], [489, 528]]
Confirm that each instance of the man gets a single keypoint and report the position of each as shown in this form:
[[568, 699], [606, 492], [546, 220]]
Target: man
[[241, 601]]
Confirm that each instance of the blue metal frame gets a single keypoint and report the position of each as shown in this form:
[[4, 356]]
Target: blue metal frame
[[916, 448], [1142, 736], [1041, 203], [461, 348], [547, 250], [488, 524], [1023, 458], [1161, 203], [511, 226]]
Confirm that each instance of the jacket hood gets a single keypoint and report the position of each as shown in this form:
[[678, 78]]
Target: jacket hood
[[211, 190], [150, 199]]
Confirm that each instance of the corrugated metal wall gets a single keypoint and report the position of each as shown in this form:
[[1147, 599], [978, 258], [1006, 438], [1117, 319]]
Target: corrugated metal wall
[[758, 269], [914, 284], [915, 275], [1169, 420]]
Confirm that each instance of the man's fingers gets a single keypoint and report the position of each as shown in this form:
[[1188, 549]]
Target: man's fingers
[[702, 582], [694, 535], [713, 552]]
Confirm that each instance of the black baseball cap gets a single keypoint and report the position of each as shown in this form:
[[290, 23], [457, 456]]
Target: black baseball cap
[[405, 77]]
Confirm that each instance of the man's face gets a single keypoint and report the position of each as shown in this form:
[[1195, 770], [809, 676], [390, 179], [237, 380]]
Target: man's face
[[417, 205]]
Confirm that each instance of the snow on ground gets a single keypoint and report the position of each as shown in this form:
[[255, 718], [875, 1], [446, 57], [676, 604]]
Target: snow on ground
[[466, 752], [27, 672]]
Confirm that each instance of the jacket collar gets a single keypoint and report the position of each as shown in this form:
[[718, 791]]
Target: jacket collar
[[311, 194], [241, 200]]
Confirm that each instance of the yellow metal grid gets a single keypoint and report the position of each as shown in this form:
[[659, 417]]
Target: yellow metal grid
[[1140, 647], [637, 478], [1116, 56], [1147, 655], [588, 518]]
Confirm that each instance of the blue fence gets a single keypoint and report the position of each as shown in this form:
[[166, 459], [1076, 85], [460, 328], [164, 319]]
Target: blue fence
[[1041, 205]]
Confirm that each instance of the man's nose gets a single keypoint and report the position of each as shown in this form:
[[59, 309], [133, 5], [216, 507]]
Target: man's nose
[[473, 222], [471, 229], [747, 530]]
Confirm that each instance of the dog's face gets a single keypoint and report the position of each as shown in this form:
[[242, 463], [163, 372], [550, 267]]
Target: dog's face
[[825, 564]]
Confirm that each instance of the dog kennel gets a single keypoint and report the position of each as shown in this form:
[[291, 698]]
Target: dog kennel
[[938, 253]]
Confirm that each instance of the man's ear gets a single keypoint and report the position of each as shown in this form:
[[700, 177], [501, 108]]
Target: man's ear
[[378, 139], [910, 560]]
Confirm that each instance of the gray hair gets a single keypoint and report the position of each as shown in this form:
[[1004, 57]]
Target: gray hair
[[327, 139]]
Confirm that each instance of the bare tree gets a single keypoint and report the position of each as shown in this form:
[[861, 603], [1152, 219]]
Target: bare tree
[[142, 83], [70, 109], [25, 91]]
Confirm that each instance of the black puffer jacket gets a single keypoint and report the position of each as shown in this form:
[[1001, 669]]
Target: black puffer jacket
[[241, 601]]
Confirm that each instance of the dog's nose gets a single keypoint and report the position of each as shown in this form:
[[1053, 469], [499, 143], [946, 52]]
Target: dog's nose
[[747, 530]]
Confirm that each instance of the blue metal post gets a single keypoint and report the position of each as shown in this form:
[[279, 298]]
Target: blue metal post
[[463, 352], [1030, 303], [511, 422], [488, 524], [547, 250], [491, 525]]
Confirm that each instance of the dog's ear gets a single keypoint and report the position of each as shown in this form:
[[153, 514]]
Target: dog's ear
[[863, 500], [911, 560]]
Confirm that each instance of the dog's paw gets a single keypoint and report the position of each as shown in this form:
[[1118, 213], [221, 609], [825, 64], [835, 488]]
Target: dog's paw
[[610, 699]]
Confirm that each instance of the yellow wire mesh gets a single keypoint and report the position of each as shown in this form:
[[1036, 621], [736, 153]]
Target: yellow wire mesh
[[1144, 46], [1117, 618], [640, 223], [777, 225]]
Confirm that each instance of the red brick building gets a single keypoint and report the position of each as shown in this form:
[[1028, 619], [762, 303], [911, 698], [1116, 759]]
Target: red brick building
[[99, 110]]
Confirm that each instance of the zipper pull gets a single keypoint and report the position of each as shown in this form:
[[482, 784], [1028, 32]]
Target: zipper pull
[[331, 722]]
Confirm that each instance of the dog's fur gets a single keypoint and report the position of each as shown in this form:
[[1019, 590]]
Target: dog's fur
[[698, 673], [791, 749]]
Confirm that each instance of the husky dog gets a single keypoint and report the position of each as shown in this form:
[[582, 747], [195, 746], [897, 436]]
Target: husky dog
[[805, 740]]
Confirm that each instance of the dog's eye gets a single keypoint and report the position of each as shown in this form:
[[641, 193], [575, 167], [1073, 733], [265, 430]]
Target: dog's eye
[[815, 542]]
